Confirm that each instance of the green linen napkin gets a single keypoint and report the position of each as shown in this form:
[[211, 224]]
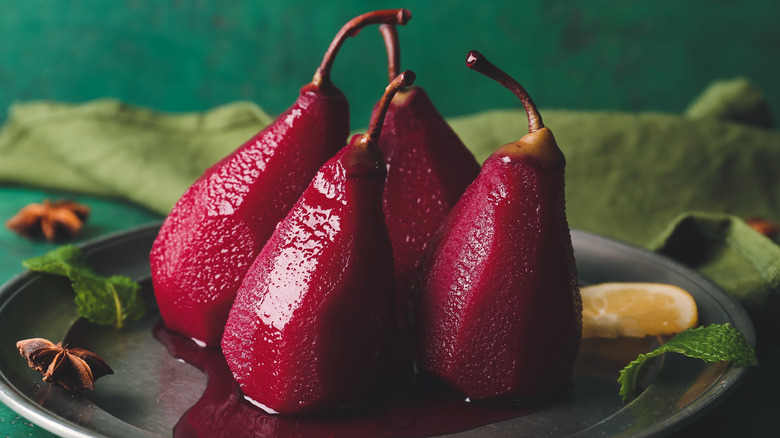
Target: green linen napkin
[[728, 251], [105, 147], [736, 100]]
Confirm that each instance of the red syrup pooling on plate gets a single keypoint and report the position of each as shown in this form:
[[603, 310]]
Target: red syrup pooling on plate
[[419, 411]]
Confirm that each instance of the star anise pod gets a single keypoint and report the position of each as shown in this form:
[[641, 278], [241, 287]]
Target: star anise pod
[[55, 220], [72, 368], [763, 226]]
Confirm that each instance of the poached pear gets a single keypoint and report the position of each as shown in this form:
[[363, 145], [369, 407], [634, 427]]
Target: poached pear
[[428, 169], [311, 324], [216, 229], [499, 311]]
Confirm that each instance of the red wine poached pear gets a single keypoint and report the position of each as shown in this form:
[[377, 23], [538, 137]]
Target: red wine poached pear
[[499, 312], [311, 325], [428, 169]]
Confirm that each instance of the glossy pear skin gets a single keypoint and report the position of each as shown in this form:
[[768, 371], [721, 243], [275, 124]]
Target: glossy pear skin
[[428, 169], [500, 312], [217, 228], [309, 328]]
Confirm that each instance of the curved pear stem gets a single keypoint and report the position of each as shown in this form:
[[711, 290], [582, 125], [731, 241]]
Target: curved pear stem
[[477, 62], [390, 35], [353, 26], [371, 136]]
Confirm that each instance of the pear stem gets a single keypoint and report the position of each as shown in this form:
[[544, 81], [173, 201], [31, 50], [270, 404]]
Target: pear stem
[[353, 26], [371, 136], [390, 34], [477, 62]]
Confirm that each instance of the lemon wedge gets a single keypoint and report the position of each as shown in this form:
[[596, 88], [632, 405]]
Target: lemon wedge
[[612, 310]]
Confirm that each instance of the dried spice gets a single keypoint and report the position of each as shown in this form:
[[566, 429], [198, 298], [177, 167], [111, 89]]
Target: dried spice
[[54, 220], [763, 226], [72, 368]]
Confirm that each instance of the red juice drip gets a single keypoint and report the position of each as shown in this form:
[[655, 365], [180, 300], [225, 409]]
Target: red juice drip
[[419, 411]]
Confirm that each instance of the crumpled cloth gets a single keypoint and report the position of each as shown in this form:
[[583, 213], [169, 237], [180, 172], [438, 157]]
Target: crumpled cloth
[[731, 254], [106, 147]]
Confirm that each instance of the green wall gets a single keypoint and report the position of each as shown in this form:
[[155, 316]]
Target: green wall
[[192, 55]]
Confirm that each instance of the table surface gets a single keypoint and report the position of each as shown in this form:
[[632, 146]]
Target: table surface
[[749, 411]]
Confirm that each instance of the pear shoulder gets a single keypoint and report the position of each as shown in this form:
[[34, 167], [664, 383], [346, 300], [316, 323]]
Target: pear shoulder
[[539, 146]]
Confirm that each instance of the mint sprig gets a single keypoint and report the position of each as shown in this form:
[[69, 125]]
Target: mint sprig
[[712, 343], [102, 300]]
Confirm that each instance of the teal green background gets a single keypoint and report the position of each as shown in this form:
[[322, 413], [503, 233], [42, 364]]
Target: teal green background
[[193, 55]]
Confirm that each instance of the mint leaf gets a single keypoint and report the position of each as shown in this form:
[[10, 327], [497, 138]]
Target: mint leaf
[[713, 343], [128, 294], [65, 260], [102, 300]]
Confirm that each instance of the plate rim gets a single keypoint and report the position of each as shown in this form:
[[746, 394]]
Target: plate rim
[[736, 313], [16, 401]]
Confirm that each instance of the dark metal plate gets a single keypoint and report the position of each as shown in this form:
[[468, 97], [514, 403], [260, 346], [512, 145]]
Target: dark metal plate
[[151, 390]]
